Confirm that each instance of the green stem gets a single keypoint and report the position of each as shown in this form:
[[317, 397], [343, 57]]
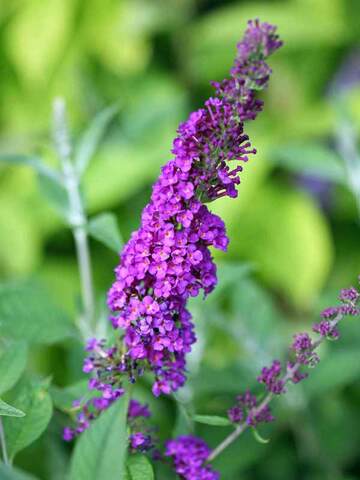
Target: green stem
[[3, 444], [77, 217]]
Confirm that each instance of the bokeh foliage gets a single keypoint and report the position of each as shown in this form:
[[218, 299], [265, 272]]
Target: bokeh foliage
[[294, 228]]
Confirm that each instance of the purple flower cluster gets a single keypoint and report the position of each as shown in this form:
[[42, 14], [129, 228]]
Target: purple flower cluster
[[189, 455], [248, 409], [140, 438], [168, 259], [303, 347], [274, 378], [106, 385]]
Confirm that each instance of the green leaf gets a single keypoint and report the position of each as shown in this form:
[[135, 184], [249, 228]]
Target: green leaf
[[338, 369], [55, 194], [258, 437], [10, 473], [34, 399], [9, 411], [91, 138], [152, 116], [213, 420], [104, 228], [64, 397], [282, 223], [311, 159], [33, 162], [27, 312], [101, 450], [13, 356], [139, 468]]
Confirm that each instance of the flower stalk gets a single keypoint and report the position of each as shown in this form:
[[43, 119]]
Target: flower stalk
[[76, 216], [288, 376], [3, 444]]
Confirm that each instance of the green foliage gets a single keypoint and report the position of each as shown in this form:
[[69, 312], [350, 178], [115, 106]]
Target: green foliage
[[91, 138], [11, 473], [64, 397], [101, 450], [31, 161], [282, 224], [338, 368], [314, 160], [13, 356], [213, 420], [55, 194], [27, 312], [9, 411], [34, 399], [258, 437], [139, 468], [104, 228]]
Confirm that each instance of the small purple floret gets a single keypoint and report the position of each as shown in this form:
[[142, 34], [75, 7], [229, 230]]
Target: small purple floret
[[189, 455]]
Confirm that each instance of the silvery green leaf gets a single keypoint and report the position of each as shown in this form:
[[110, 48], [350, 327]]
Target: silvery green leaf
[[32, 161], [91, 138], [104, 228]]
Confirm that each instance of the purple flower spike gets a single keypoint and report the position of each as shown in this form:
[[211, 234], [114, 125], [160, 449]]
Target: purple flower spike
[[169, 259]]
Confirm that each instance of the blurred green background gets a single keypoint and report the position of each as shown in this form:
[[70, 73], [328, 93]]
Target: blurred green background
[[294, 228]]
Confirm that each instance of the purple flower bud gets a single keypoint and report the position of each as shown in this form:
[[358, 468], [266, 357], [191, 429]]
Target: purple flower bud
[[139, 441], [325, 329], [349, 295], [270, 378], [235, 414], [68, 434]]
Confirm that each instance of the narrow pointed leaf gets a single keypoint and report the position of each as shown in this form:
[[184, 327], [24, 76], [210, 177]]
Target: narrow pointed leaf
[[258, 437], [214, 420], [92, 137], [100, 452], [104, 228], [8, 411], [32, 161]]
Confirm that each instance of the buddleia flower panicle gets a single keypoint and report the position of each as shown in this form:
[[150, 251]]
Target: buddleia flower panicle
[[168, 259]]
